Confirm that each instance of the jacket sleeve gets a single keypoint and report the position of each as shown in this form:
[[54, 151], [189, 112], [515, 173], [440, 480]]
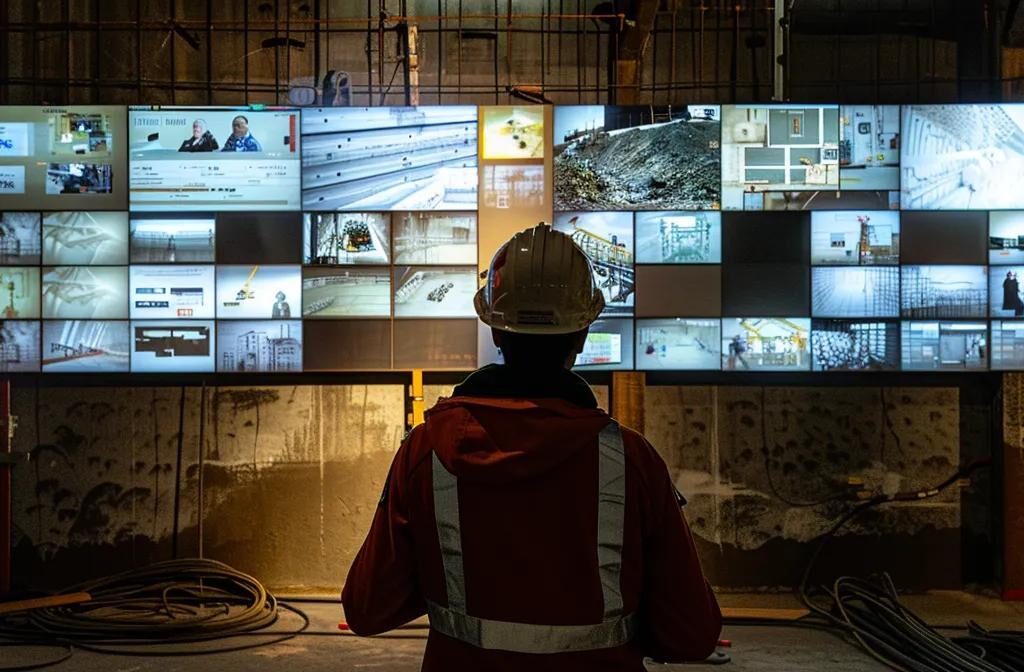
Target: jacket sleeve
[[682, 621], [381, 591]]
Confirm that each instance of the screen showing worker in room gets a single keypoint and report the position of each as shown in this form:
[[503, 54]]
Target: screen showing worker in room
[[346, 292], [855, 238], [259, 292], [766, 344], [869, 147], [390, 158], [19, 292], [1007, 345], [20, 236], [171, 291], [607, 240], [214, 159], [944, 346], [678, 344], [434, 291], [85, 238], [259, 346], [637, 158], [943, 292], [505, 186], [168, 239], [609, 346], [777, 148], [844, 291], [1005, 293], [1006, 237], [337, 238], [58, 158], [855, 345], [678, 237], [19, 346], [435, 238], [86, 346], [85, 292], [172, 346], [962, 157], [513, 131]]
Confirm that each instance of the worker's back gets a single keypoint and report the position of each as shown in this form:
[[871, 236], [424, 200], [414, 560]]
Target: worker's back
[[516, 538]]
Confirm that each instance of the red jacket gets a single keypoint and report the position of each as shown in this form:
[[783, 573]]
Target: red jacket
[[527, 487]]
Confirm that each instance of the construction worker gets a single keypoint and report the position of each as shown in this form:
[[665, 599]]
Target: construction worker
[[535, 532]]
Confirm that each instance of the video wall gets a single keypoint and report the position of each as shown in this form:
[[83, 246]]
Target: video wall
[[725, 238]]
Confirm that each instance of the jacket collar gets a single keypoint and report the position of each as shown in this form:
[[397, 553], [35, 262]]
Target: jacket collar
[[497, 380]]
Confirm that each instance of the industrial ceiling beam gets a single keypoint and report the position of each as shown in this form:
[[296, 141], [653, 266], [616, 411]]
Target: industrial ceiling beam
[[632, 44]]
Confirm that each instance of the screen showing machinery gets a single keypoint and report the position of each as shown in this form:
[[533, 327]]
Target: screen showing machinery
[[607, 240], [869, 147], [19, 292], [214, 158], [678, 237], [844, 291], [435, 238], [336, 238], [19, 346], [268, 346], [944, 346], [20, 238], [855, 345], [513, 131], [768, 148], [637, 158], [85, 292], [172, 346], [766, 344], [346, 292], [259, 292], [855, 238], [390, 158], [943, 292], [86, 346], [434, 291], [170, 238], [680, 344], [62, 158], [85, 238], [1006, 237], [172, 291], [962, 157]]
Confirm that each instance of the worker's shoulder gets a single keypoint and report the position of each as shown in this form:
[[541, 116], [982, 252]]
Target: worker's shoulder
[[640, 453]]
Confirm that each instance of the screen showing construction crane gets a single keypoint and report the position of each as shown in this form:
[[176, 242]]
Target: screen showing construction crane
[[855, 238], [176, 291], [607, 240], [19, 346], [259, 292], [944, 346], [390, 158], [609, 346], [678, 237], [435, 238], [86, 346], [268, 346], [434, 291], [680, 344], [777, 148], [346, 292], [855, 345], [19, 287], [85, 238], [168, 239], [513, 131], [1006, 237], [62, 158], [85, 292], [869, 147], [1007, 344], [766, 344], [843, 291], [943, 292], [184, 346], [214, 158], [962, 157], [347, 238], [20, 236], [637, 158]]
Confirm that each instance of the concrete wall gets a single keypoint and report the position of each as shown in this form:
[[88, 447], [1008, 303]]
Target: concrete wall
[[292, 475]]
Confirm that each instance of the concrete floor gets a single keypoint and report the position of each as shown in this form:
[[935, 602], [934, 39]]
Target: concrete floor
[[764, 649]]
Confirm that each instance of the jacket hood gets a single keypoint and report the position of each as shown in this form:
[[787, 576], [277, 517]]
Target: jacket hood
[[496, 438]]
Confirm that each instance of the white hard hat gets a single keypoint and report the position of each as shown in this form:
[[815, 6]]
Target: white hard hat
[[539, 282]]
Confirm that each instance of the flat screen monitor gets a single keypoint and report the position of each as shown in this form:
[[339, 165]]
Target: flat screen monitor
[[172, 346], [855, 345], [329, 292], [678, 237], [86, 346], [85, 238], [259, 292], [434, 291], [346, 238], [845, 291], [679, 344], [169, 238], [766, 344], [609, 346], [607, 240], [85, 292], [435, 238], [944, 345], [253, 346], [19, 346], [21, 238], [943, 292], [19, 292], [172, 291], [855, 237]]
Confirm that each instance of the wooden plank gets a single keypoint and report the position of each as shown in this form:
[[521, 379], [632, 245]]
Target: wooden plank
[[44, 602]]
